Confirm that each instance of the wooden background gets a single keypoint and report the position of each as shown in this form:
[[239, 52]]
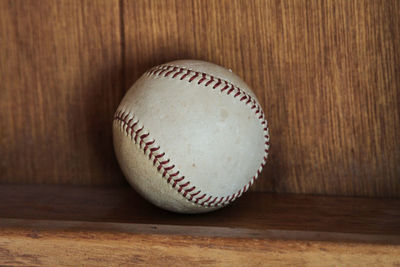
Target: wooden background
[[326, 72]]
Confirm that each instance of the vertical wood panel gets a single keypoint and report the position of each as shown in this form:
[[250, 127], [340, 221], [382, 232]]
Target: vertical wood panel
[[60, 72], [326, 72]]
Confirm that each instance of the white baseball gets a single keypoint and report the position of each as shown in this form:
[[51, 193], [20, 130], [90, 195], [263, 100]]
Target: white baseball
[[190, 136]]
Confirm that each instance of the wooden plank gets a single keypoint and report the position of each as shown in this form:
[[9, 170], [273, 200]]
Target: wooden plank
[[60, 72], [55, 243], [325, 72], [254, 211]]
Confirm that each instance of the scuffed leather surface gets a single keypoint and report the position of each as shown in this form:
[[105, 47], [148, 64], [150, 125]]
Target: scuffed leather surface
[[212, 138]]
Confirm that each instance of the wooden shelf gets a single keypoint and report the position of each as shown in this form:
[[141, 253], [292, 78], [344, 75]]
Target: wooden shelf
[[104, 226]]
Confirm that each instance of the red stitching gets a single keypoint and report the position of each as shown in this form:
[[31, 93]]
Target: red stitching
[[154, 72], [179, 179], [202, 79], [217, 84], [169, 168], [161, 72], [193, 77], [210, 81], [179, 72], [176, 71], [144, 135], [219, 201], [160, 155], [183, 185], [138, 131], [126, 116], [226, 86], [194, 194], [137, 134], [164, 162], [215, 199], [152, 150], [190, 189], [174, 174], [200, 198], [156, 157], [208, 199], [231, 90], [171, 71], [184, 76], [147, 145]]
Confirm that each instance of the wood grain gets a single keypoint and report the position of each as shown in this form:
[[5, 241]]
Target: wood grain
[[326, 73], [60, 72], [54, 243], [105, 226], [254, 211]]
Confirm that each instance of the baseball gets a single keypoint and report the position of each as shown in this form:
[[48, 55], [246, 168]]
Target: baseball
[[190, 136]]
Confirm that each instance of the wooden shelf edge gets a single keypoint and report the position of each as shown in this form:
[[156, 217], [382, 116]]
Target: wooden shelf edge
[[254, 211], [53, 243], [99, 226], [195, 231]]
